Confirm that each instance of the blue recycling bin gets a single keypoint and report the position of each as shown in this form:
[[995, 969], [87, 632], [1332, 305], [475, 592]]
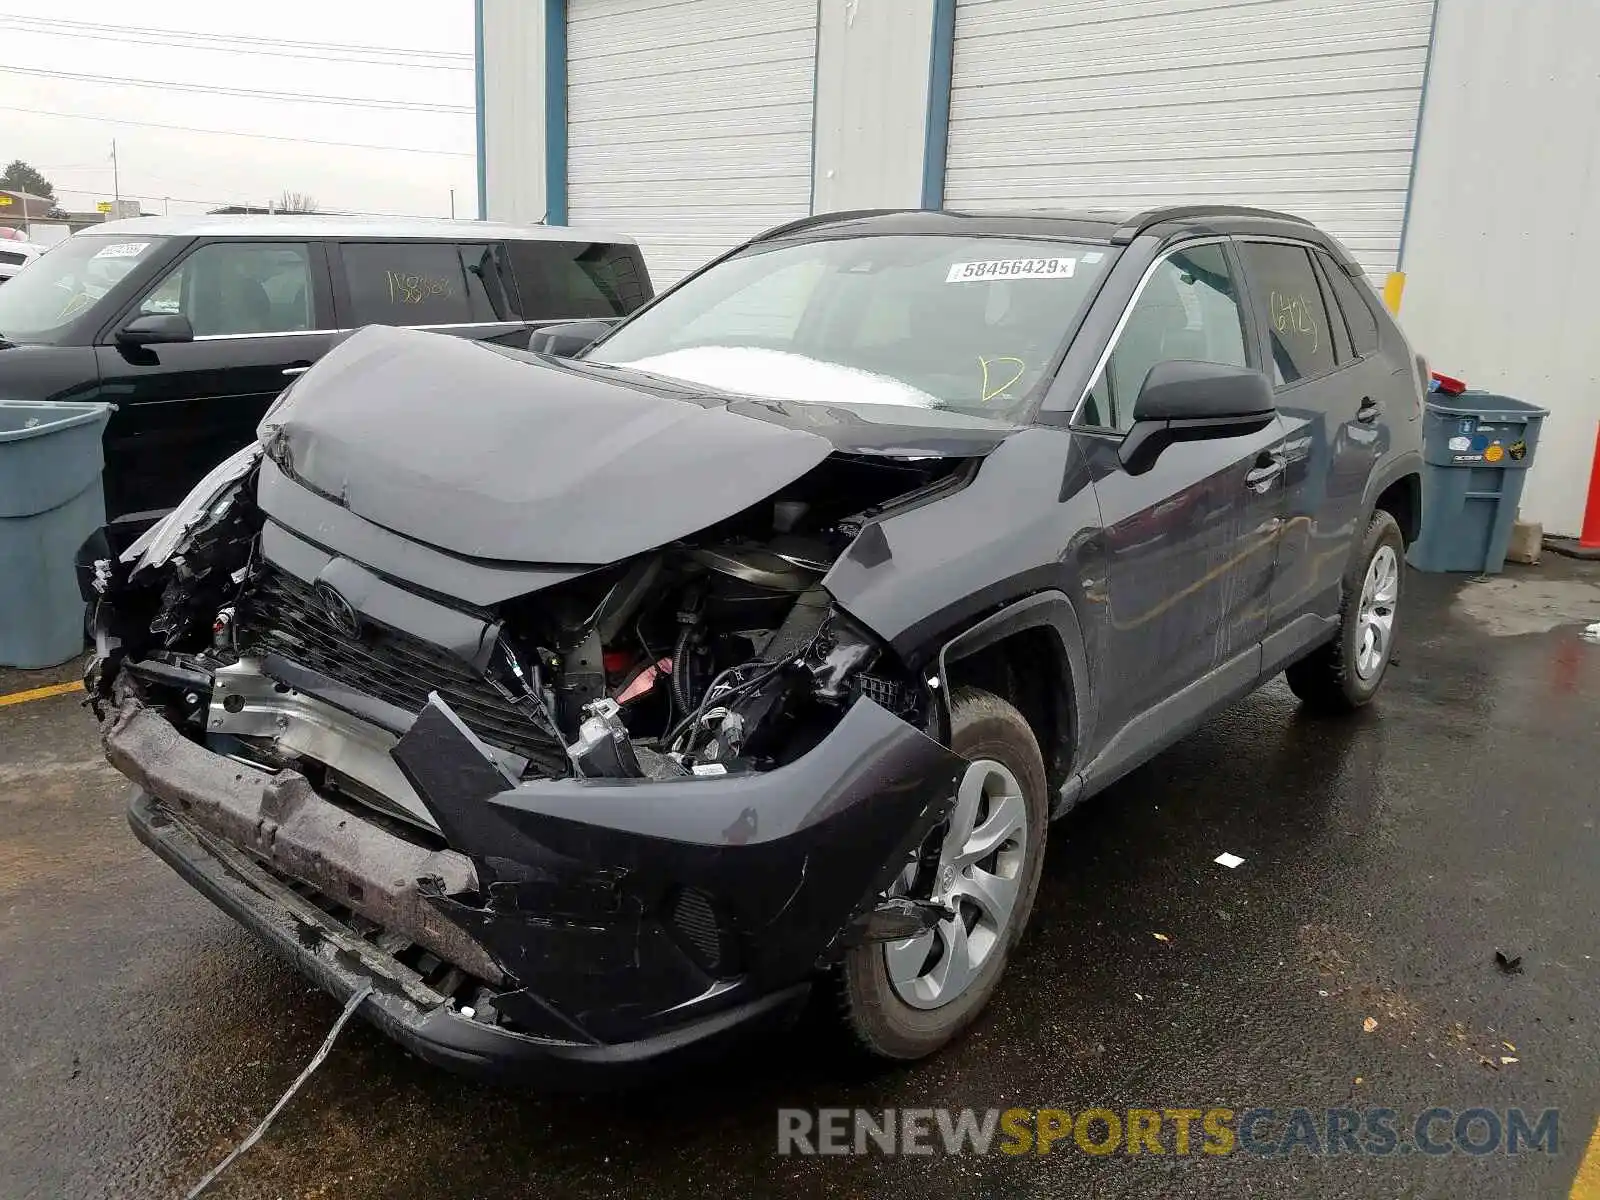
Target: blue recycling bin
[[1476, 449], [50, 501]]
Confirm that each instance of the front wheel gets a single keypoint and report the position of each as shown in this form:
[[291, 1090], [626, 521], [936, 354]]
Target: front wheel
[[905, 999], [1345, 674]]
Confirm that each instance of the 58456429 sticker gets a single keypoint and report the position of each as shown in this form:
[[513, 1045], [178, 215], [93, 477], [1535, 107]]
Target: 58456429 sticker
[[1012, 268], [121, 250]]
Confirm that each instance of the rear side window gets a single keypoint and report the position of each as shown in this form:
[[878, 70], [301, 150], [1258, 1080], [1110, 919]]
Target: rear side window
[[561, 280], [424, 283], [1286, 293], [11, 258], [1358, 316]]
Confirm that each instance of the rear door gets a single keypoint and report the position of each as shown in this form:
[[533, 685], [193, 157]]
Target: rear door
[[1329, 414], [577, 281], [1189, 542], [460, 288], [261, 313]]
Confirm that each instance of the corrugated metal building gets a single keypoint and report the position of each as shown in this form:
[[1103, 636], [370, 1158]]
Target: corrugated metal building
[[1453, 139]]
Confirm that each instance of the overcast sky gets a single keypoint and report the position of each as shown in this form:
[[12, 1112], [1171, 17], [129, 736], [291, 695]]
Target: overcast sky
[[166, 41]]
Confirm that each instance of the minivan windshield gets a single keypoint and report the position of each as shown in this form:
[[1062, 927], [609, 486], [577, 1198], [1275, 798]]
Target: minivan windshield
[[64, 281], [937, 322]]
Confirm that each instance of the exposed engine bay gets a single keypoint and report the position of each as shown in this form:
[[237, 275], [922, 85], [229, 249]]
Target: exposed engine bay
[[718, 654]]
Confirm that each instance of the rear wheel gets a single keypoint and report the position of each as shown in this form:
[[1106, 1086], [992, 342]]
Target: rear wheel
[[1345, 674], [904, 999]]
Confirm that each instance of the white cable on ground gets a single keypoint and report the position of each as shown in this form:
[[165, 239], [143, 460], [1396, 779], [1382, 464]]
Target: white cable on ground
[[316, 1061]]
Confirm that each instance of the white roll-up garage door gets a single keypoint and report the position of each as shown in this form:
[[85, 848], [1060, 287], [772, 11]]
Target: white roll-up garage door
[[1309, 106], [689, 122]]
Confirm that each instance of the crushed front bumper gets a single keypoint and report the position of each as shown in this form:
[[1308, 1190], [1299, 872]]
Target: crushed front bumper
[[613, 926], [425, 1022]]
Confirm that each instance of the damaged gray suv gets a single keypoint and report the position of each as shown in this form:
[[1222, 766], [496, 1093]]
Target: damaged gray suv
[[596, 710]]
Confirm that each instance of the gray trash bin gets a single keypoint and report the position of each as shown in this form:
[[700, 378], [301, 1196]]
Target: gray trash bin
[[1477, 448], [50, 501]]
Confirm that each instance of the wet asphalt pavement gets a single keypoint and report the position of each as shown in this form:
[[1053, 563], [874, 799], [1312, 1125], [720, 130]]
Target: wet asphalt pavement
[[1387, 857]]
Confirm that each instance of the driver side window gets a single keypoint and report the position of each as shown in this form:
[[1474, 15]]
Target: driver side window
[[1188, 309], [239, 288]]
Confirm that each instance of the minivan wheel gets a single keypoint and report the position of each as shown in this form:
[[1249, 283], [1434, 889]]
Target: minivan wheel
[[1345, 674], [905, 999]]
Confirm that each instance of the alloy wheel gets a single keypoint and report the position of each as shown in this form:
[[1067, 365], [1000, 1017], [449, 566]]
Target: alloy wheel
[[1380, 593], [978, 877]]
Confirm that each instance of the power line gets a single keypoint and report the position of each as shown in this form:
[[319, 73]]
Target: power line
[[195, 39], [139, 38], [265, 137], [253, 93]]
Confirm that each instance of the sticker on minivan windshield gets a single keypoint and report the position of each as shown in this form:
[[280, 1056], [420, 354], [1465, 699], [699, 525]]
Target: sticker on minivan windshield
[[122, 250], [1012, 268]]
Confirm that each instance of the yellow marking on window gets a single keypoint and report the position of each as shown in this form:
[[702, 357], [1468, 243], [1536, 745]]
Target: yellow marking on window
[[990, 393]]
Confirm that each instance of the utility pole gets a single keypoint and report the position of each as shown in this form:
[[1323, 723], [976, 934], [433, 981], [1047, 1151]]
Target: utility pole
[[116, 182], [166, 202], [452, 204]]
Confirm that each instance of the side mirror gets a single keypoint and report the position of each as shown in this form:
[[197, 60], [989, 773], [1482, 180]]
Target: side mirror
[[1182, 401], [568, 339], [155, 329]]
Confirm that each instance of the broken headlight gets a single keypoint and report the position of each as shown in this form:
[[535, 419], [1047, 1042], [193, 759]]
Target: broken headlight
[[162, 540]]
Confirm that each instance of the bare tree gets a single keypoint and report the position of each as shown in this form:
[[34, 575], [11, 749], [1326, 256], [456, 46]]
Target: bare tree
[[296, 202]]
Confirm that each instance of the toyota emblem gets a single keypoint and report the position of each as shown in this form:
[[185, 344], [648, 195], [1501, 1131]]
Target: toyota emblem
[[338, 610]]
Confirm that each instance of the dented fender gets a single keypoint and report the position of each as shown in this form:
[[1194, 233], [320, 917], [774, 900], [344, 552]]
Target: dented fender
[[784, 858]]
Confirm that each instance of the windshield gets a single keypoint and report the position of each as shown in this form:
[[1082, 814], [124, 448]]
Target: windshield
[[968, 324], [64, 281]]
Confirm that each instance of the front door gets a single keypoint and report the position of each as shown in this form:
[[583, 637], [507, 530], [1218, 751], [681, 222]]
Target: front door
[[1188, 543], [261, 316], [1325, 399]]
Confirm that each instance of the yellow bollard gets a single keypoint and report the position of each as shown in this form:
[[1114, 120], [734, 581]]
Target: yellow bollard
[[1393, 288]]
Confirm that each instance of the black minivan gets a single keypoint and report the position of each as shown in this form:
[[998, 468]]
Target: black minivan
[[191, 326]]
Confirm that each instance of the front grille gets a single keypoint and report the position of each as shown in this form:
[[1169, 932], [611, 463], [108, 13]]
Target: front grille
[[280, 615]]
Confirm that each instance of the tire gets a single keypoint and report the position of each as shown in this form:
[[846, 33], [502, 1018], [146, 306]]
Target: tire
[[1345, 674], [986, 731]]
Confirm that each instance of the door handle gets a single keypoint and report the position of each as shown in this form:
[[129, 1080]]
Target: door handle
[[1369, 410], [297, 370], [1260, 478]]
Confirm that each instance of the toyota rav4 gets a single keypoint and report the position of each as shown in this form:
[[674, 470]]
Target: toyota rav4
[[595, 707]]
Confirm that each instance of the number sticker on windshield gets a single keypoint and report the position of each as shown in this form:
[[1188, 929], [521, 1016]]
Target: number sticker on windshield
[[121, 250], [1012, 268]]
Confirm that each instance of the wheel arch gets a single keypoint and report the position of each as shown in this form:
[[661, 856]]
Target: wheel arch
[[1396, 488], [1030, 652]]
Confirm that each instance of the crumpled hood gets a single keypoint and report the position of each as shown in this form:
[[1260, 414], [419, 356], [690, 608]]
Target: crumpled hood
[[500, 455]]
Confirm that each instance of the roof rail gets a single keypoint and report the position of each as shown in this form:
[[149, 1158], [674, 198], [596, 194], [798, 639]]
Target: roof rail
[[816, 219], [1139, 222]]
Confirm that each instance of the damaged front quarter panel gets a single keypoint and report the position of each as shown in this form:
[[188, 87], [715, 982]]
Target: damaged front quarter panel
[[586, 879]]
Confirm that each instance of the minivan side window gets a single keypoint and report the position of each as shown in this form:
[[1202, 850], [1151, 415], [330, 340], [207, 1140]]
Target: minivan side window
[[1358, 317], [1188, 309], [239, 288], [423, 283], [574, 280], [1287, 294]]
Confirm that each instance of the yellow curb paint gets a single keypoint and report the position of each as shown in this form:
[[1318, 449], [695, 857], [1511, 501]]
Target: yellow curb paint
[[41, 693], [1587, 1185], [1393, 288]]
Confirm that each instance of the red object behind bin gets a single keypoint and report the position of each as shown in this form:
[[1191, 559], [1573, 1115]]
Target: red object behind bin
[[1589, 539]]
